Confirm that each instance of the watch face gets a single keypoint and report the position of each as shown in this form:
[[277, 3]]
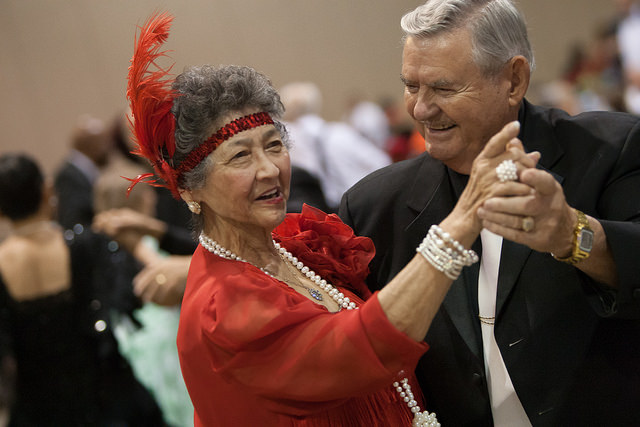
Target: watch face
[[585, 240]]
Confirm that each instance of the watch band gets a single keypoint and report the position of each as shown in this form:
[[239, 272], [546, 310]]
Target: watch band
[[582, 241]]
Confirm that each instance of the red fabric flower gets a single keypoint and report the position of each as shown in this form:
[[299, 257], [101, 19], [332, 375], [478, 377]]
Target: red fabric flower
[[329, 247]]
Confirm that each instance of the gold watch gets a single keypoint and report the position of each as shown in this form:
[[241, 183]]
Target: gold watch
[[582, 241]]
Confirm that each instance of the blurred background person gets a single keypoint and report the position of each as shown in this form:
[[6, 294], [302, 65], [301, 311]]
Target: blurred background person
[[303, 106], [354, 148], [150, 349], [90, 147], [596, 73], [163, 278], [370, 120], [336, 153], [169, 219], [629, 46], [303, 103], [58, 290], [401, 144], [592, 79]]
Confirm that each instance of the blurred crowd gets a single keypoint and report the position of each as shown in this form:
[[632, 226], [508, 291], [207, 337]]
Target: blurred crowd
[[602, 73]]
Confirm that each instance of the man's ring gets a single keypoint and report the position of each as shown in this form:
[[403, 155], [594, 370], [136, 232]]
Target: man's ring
[[161, 279], [507, 171], [527, 224]]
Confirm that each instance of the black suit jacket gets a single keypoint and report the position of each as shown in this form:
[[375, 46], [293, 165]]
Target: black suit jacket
[[571, 346], [75, 196]]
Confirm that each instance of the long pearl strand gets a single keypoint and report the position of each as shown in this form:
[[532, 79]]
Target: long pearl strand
[[420, 418]]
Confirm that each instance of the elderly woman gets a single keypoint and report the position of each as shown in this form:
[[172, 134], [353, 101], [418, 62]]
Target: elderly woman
[[58, 290], [277, 326]]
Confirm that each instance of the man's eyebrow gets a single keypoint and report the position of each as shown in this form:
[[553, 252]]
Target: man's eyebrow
[[441, 83], [435, 84], [404, 80]]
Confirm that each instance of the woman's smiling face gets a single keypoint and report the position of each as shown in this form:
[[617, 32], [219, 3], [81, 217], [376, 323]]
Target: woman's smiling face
[[248, 183]]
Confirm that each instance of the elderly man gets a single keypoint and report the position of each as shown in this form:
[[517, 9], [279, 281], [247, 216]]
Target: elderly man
[[545, 330]]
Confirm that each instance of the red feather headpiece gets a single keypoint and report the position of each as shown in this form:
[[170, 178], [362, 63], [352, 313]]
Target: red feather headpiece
[[151, 98]]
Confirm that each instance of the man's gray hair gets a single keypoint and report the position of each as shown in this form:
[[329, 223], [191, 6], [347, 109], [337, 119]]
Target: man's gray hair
[[498, 30]]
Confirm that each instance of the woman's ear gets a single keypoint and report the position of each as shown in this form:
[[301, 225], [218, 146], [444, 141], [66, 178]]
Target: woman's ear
[[187, 196]]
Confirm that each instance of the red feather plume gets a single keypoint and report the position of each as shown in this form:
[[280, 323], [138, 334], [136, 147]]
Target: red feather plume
[[151, 99]]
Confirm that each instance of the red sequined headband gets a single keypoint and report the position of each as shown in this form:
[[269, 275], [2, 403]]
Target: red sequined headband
[[227, 131], [151, 98]]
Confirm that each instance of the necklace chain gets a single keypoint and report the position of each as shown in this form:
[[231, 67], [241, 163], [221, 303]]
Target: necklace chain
[[487, 320], [315, 294], [403, 388]]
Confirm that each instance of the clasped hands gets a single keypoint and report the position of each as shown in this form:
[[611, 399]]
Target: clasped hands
[[163, 278], [530, 209]]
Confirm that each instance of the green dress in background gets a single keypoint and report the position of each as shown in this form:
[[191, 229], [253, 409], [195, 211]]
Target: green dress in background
[[151, 350]]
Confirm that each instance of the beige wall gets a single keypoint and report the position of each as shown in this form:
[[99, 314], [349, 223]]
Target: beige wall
[[59, 59]]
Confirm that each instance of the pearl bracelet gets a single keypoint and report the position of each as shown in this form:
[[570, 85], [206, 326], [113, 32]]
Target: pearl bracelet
[[445, 253]]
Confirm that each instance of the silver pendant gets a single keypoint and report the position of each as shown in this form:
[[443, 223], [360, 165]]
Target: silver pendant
[[315, 294]]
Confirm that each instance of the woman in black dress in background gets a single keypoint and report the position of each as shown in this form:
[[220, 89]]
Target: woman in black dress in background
[[58, 291]]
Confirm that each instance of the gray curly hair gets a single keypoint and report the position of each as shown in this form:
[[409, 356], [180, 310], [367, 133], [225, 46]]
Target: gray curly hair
[[205, 94], [498, 30]]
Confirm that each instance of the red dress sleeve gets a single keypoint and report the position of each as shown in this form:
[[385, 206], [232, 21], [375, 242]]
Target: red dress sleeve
[[277, 343]]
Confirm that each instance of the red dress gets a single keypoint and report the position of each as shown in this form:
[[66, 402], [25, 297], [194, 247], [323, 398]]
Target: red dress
[[255, 352]]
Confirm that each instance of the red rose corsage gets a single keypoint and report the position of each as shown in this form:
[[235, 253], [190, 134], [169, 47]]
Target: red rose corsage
[[329, 247]]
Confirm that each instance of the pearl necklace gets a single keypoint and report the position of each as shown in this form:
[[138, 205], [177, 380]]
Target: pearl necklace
[[420, 418]]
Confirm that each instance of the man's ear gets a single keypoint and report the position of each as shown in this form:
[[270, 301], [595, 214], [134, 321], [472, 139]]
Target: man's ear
[[518, 73]]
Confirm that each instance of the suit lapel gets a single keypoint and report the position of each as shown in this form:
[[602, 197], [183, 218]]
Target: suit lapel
[[536, 135], [432, 199], [461, 303], [512, 261]]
